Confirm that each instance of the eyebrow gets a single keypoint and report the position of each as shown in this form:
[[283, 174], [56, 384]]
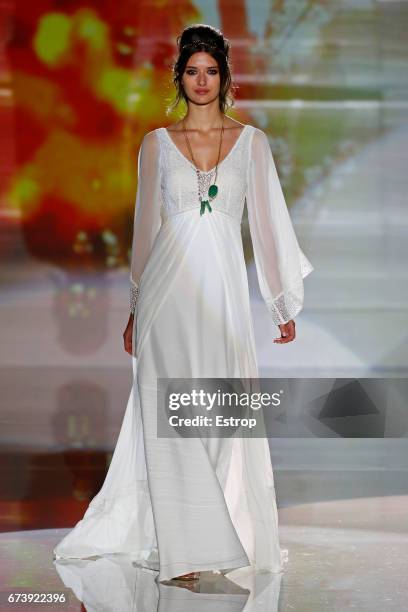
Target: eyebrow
[[190, 66]]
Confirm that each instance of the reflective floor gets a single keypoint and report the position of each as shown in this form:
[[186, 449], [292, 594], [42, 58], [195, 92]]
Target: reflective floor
[[343, 555]]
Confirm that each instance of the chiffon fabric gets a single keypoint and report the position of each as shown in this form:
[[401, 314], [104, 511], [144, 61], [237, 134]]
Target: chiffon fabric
[[113, 583], [178, 505]]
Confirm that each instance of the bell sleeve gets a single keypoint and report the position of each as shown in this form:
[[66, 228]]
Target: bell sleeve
[[280, 263], [147, 217]]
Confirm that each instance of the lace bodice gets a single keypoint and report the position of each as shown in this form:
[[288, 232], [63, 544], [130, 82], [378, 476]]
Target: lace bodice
[[178, 178], [167, 186]]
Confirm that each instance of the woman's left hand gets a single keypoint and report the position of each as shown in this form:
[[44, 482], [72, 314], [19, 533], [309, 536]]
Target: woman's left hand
[[288, 332]]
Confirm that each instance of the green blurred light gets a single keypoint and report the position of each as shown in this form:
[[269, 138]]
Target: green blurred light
[[124, 49], [114, 85], [109, 237], [51, 40], [93, 30], [25, 190]]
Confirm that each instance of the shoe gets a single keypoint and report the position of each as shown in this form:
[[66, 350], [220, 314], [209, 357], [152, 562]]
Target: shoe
[[187, 577]]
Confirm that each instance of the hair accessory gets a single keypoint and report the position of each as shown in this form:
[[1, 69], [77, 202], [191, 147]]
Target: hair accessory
[[197, 42]]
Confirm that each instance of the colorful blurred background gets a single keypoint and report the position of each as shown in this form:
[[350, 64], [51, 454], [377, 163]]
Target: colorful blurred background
[[81, 82]]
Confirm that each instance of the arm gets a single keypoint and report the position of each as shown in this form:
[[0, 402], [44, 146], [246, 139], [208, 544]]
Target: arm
[[280, 263], [147, 219]]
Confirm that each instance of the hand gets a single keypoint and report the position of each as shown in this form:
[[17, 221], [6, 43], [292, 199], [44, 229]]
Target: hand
[[127, 335], [288, 332]]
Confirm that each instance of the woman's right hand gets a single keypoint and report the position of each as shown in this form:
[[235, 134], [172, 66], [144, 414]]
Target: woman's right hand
[[288, 332], [127, 335]]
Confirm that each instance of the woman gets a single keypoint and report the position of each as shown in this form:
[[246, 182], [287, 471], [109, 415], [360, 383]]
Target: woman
[[185, 505]]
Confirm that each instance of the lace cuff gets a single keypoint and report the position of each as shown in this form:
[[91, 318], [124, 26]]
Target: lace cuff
[[286, 306], [289, 303], [134, 294]]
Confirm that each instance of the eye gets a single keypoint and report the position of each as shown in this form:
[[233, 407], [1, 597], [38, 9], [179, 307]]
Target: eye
[[191, 71]]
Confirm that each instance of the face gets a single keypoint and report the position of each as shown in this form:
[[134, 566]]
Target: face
[[201, 78]]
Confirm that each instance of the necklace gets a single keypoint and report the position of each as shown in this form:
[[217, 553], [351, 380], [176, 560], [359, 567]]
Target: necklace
[[202, 177]]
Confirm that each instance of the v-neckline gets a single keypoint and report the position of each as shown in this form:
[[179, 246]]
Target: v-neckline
[[191, 163]]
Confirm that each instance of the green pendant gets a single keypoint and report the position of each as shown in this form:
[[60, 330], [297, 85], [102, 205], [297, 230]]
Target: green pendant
[[205, 203], [213, 190]]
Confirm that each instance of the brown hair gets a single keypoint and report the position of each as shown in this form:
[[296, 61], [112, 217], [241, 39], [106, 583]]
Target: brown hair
[[201, 37]]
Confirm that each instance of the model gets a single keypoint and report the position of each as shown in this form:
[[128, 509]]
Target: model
[[184, 505]]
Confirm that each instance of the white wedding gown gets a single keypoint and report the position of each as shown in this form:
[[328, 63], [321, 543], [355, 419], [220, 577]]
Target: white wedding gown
[[178, 505]]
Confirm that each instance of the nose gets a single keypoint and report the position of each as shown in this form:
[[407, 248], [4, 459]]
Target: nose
[[202, 79]]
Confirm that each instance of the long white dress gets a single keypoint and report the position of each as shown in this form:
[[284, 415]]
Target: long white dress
[[191, 504]]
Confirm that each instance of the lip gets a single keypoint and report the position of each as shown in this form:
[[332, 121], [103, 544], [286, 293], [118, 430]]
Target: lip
[[201, 91]]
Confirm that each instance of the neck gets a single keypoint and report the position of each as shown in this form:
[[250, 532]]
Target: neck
[[203, 118]]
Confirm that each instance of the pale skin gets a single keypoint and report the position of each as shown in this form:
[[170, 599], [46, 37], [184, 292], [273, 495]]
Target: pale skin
[[203, 120]]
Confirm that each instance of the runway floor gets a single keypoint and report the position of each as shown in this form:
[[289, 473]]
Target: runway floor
[[356, 562]]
